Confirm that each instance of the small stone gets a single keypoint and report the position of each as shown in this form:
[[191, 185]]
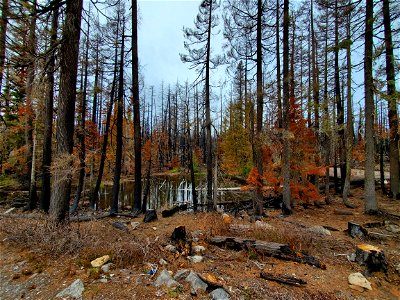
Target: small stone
[[163, 262], [198, 249], [103, 280], [351, 257], [397, 268], [165, 279], [170, 248], [135, 225], [154, 228], [319, 230], [98, 262], [75, 290], [107, 267], [195, 259], [196, 283], [393, 228], [358, 279], [119, 225], [181, 274], [219, 294]]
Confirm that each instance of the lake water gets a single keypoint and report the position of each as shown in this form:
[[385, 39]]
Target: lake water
[[167, 191]]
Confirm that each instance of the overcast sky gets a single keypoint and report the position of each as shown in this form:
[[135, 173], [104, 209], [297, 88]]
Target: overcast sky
[[161, 39]]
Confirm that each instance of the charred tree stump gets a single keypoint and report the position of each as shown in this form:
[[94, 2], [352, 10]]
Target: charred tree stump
[[282, 279], [150, 215], [356, 230], [182, 243], [372, 257]]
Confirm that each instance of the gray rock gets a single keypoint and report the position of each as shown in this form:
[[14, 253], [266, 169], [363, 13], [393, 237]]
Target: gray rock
[[75, 290], [195, 259], [358, 279], [119, 225], [198, 249], [165, 279], [319, 230], [196, 283], [107, 267], [181, 274], [170, 248], [219, 294]]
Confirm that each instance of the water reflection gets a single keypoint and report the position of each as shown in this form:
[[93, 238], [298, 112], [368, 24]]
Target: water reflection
[[168, 191]]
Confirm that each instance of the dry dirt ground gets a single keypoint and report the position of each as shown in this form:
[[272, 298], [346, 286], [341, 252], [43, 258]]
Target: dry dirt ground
[[38, 260]]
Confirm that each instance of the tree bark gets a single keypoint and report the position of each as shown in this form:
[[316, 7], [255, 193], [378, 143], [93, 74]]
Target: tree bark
[[392, 103], [278, 66], [370, 196], [3, 35], [286, 207], [48, 127], [136, 112], [61, 191]]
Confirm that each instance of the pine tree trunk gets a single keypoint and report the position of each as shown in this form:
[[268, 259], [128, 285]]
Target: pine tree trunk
[[136, 112], [61, 190], [278, 65], [392, 103], [287, 208], [48, 123], [370, 196]]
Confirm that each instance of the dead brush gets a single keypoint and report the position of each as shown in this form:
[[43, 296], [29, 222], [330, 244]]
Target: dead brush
[[213, 224]]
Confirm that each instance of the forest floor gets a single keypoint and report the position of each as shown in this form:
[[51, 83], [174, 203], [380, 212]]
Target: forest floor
[[38, 260]]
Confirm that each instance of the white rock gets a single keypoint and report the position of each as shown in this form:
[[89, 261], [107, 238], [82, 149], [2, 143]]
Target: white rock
[[163, 262], [393, 228], [198, 249], [170, 248], [358, 279], [98, 262], [195, 259], [319, 230], [262, 225], [75, 290], [135, 225]]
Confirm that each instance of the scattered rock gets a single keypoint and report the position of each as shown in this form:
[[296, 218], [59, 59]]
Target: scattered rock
[[119, 225], [358, 279], [165, 278], [98, 262], [149, 216], [393, 228], [319, 230], [198, 249], [181, 274], [103, 280], [75, 290], [196, 283], [262, 225], [219, 294], [170, 248], [107, 267], [163, 262], [135, 225], [195, 259]]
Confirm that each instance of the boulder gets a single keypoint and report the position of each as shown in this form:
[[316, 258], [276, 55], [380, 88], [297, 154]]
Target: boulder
[[166, 279], [100, 261], [219, 294], [75, 290], [358, 279], [196, 283]]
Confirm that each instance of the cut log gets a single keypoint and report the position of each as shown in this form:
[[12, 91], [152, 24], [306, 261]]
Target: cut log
[[170, 212], [277, 250], [372, 257], [282, 278], [356, 230]]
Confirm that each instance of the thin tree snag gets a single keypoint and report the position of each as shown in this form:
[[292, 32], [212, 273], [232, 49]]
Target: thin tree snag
[[280, 251], [282, 278]]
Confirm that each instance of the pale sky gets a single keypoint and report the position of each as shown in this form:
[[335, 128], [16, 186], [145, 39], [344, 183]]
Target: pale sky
[[160, 39]]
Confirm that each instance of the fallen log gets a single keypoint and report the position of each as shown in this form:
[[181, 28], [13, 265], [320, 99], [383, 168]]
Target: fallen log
[[282, 278], [277, 250], [170, 212]]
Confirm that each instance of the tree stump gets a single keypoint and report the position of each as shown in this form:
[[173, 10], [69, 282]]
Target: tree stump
[[372, 257], [150, 215], [182, 243], [356, 230]]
